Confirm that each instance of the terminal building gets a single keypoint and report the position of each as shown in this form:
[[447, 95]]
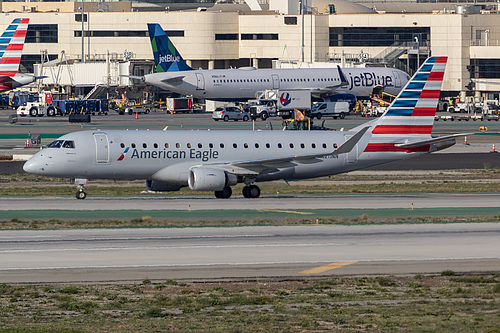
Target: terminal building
[[113, 39]]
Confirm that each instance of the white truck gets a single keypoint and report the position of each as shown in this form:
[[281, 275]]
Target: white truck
[[39, 108], [280, 102], [262, 109], [132, 107], [329, 109]]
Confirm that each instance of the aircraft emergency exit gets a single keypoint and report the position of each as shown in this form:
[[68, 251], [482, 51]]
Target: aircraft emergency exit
[[172, 73], [216, 160]]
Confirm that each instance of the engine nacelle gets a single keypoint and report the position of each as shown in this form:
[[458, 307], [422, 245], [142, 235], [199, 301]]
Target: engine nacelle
[[157, 186], [205, 179]]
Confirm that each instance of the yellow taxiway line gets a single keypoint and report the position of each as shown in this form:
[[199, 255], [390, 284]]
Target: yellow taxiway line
[[284, 211], [328, 267]]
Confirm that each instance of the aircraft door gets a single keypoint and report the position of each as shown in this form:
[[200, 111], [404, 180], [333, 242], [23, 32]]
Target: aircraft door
[[397, 79], [276, 81], [200, 81], [101, 147]]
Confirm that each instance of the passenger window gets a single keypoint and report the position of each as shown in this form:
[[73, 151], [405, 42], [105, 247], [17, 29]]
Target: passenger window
[[335, 146], [313, 145], [245, 145], [256, 145], [210, 145], [189, 145], [200, 145], [268, 145], [122, 145], [279, 145], [177, 145], [167, 145], [302, 145], [222, 145], [291, 145], [133, 145], [144, 145], [235, 145], [155, 145], [324, 145]]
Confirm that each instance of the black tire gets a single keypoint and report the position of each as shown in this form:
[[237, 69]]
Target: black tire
[[224, 194], [216, 119], [318, 116], [130, 112], [264, 115], [51, 112], [34, 112], [245, 118], [81, 195], [342, 115], [226, 118], [253, 191], [147, 111]]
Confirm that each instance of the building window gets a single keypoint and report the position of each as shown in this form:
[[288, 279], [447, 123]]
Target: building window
[[226, 36], [42, 33], [484, 68], [292, 20], [377, 36], [259, 36]]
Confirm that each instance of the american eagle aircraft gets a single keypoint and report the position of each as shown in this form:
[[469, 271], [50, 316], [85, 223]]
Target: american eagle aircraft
[[216, 160], [172, 73], [11, 48]]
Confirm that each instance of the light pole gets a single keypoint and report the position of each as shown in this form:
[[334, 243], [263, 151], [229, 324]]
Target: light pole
[[83, 40]]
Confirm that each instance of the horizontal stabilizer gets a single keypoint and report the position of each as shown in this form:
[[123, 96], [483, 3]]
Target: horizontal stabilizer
[[430, 141]]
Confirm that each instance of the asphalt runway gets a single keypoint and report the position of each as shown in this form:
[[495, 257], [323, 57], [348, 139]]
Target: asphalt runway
[[245, 253], [288, 202]]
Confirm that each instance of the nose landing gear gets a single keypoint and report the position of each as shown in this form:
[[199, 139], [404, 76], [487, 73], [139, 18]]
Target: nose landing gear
[[80, 194]]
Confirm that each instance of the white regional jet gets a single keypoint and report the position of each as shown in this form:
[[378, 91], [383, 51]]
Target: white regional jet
[[172, 73], [216, 160]]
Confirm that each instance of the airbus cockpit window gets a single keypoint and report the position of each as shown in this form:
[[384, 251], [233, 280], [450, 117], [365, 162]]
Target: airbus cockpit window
[[56, 144]]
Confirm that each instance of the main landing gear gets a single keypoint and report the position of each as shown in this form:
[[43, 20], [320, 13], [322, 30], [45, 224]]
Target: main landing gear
[[249, 191], [80, 194]]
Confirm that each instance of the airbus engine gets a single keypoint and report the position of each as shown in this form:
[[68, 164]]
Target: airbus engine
[[205, 179], [157, 186]]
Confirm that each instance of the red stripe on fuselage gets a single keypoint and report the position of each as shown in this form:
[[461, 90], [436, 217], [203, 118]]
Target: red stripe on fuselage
[[390, 147], [441, 60], [423, 112], [8, 73], [402, 129]]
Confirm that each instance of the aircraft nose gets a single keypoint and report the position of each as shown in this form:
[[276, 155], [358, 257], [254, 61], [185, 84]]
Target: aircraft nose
[[34, 165]]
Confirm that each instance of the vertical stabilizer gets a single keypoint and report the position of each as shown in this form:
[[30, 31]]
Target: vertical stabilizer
[[11, 47], [410, 117], [167, 58]]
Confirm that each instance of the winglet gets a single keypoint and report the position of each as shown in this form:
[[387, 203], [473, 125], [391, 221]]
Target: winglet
[[167, 58], [351, 143]]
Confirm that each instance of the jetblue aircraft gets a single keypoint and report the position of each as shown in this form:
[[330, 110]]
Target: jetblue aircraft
[[11, 47], [217, 160], [172, 73]]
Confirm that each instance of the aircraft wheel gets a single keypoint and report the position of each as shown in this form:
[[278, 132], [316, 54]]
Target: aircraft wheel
[[81, 195], [251, 191], [224, 194]]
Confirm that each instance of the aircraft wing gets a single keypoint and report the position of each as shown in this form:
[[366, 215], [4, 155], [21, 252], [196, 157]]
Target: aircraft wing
[[430, 141], [256, 167]]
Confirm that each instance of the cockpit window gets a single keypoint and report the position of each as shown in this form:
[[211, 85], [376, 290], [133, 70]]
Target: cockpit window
[[69, 144], [56, 144]]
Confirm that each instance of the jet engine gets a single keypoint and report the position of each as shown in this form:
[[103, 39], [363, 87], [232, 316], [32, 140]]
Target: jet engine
[[205, 179], [157, 186]]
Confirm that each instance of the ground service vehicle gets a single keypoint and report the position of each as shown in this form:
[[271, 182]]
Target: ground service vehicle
[[39, 108], [325, 109], [180, 104], [133, 107], [227, 113], [263, 109]]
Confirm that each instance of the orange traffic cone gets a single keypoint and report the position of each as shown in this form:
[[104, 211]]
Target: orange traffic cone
[[466, 140], [27, 143], [137, 115], [41, 147], [493, 150]]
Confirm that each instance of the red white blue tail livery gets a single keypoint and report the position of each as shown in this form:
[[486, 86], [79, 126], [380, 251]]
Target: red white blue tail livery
[[11, 48]]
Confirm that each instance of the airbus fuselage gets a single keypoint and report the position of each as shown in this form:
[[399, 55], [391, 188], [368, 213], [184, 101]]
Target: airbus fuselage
[[243, 84]]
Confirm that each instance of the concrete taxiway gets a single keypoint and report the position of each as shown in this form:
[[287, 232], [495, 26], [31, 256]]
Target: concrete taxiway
[[120, 255]]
